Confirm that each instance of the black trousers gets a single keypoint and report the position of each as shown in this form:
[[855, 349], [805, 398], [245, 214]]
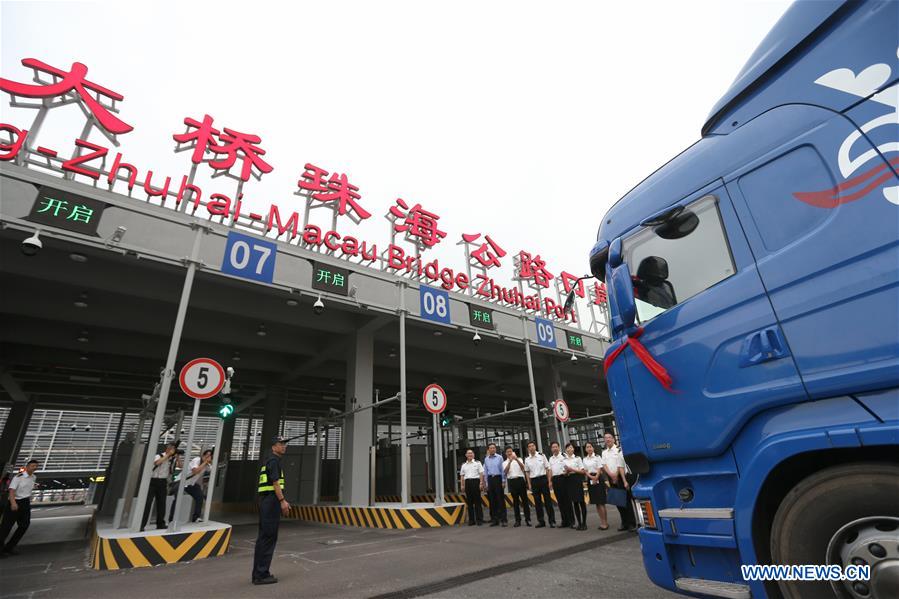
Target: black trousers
[[575, 484], [518, 488], [197, 494], [540, 490], [628, 518], [497, 498], [158, 490], [560, 487], [21, 517], [269, 520], [473, 500]]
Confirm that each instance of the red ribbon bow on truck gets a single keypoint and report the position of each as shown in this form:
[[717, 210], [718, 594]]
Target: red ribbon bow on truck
[[651, 364]]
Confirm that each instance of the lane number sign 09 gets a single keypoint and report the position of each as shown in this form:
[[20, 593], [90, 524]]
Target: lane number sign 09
[[202, 378], [249, 257], [546, 332], [434, 304], [434, 398]]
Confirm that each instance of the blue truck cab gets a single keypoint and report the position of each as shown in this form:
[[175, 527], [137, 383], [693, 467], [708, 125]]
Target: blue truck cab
[[759, 268]]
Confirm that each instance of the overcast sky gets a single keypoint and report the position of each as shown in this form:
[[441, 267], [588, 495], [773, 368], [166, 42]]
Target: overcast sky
[[523, 120]]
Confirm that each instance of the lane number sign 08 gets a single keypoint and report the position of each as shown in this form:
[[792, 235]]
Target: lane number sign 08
[[249, 257], [434, 398], [202, 378], [546, 332], [434, 304]]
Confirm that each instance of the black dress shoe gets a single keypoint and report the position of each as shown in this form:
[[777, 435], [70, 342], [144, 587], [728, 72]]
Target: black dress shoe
[[266, 580], [540, 525], [622, 528], [527, 522], [552, 524], [497, 524], [516, 525], [481, 523], [505, 524]]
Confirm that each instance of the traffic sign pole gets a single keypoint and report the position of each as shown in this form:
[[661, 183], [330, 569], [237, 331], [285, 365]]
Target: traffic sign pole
[[137, 511], [438, 463], [185, 467], [216, 458]]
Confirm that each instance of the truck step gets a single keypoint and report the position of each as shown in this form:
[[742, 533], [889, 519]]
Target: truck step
[[715, 588]]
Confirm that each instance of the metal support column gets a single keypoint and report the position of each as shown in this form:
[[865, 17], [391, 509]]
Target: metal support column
[[317, 471], [404, 443], [185, 466], [213, 476], [438, 463], [527, 353], [167, 377]]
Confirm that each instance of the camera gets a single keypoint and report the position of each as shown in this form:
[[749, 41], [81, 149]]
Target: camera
[[476, 339], [319, 306], [32, 245]]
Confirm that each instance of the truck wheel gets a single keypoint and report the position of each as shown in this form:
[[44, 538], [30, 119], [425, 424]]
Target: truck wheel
[[845, 515]]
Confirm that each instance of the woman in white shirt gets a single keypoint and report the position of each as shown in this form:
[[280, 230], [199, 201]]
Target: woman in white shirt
[[574, 479], [596, 486]]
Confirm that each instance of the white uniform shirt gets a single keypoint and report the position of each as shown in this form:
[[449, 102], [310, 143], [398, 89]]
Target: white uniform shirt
[[537, 465], [557, 464], [614, 459], [574, 462], [163, 470], [472, 469], [515, 470], [23, 484], [593, 464], [197, 478]]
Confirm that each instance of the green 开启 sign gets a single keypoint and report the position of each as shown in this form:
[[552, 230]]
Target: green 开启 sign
[[481, 317], [330, 278], [575, 341]]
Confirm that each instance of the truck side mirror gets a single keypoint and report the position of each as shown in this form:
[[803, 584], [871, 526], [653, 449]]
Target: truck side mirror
[[624, 307]]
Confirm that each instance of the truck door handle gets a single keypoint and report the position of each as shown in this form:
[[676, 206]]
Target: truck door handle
[[763, 346]]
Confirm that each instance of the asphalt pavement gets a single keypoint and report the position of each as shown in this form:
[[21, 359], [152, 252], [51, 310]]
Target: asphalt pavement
[[316, 560]]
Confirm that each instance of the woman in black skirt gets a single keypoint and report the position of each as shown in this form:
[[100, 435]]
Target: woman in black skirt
[[595, 484], [574, 479]]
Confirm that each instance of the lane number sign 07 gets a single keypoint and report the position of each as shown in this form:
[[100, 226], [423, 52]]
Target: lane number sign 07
[[546, 332], [249, 257], [202, 378], [434, 398], [434, 304]]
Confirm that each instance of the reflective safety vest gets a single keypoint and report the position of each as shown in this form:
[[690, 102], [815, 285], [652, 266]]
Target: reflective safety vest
[[265, 486]]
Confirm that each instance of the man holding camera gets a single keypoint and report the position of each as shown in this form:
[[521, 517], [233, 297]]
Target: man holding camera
[[159, 485], [193, 486]]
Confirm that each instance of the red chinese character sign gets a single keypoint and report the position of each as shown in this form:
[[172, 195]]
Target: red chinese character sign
[[225, 147], [418, 224], [334, 192], [56, 87]]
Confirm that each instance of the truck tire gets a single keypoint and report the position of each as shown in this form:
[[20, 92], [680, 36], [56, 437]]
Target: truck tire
[[833, 517]]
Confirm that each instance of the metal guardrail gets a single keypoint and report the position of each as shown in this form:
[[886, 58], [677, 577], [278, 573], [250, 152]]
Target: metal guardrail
[[50, 496]]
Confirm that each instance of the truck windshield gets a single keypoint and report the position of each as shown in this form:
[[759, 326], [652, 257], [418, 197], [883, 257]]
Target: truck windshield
[[667, 272]]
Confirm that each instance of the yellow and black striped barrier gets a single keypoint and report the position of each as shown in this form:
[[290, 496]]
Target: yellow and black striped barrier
[[381, 517], [460, 498], [115, 552]]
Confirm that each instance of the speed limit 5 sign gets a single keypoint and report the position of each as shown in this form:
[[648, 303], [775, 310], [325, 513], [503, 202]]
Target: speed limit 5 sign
[[560, 409], [202, 378], [434, 399]]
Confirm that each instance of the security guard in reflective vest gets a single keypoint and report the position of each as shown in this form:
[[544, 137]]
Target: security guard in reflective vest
[[271, 506]]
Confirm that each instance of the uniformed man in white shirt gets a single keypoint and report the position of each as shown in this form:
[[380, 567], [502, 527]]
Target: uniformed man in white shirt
[[618, 472], [537, 467], [160, 477], [18, 510], [471, 480], [558, 485], [516, 480]]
